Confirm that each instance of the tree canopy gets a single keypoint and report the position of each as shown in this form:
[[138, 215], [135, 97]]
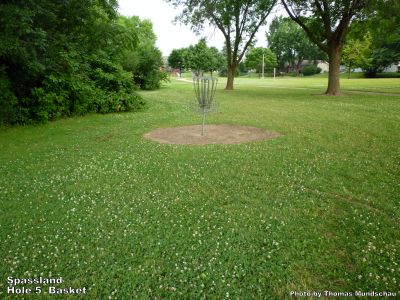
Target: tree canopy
[[357, 53], [199, 58], [176, 59], [238, 21], [63, 58], [254, 59], [326, 24], [291, 44], [145, 61], [382, 24]]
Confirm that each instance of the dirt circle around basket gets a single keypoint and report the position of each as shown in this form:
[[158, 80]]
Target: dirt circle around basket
[[213, 134]]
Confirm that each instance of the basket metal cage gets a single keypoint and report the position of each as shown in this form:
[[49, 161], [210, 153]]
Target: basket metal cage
[[204, 89]]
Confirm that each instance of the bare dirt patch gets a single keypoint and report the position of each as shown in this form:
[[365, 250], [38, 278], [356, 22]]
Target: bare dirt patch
[[214, 134]]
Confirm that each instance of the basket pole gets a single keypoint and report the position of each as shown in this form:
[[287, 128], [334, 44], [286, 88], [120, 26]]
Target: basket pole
[[203, 122]]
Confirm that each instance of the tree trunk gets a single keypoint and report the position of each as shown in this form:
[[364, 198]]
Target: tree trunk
[[349, 72], [231, 77], [334, 71], [299, 62]]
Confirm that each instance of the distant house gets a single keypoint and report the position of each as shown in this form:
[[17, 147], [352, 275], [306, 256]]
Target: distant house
[[323, 65], [320, 64], [393, 68]]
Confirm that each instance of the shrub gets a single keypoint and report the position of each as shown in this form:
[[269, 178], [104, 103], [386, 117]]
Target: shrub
[[150, 80], [292, 74], [145, 65], [116, 102], [60, 96], [72, 94], [109, 76], [382, 75], [8, 101], [310, 70], [65, 59]]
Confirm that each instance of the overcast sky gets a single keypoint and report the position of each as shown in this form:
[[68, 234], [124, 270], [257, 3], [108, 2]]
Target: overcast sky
[[170, 36]]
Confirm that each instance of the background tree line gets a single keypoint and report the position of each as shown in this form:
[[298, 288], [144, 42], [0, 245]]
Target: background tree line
[[373, 42], [325, 27], [199, 58], [291, 45], [64, 58]]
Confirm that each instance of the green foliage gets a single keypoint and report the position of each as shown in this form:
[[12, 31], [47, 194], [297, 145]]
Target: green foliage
[[145, 62], [382, 58], [310, 70], [357, 53], [8, 101], [216, 59], [326, 23], [242, 68], [223, 71], [60, 96], [177, 59], [382, 23], [197, 57], [148, 74], [238, 21], [117, 102], [201, 58], [384, 75], [292, 74], [142, 28], [254, 58], [291, 44], [58, 58], [107, 89]]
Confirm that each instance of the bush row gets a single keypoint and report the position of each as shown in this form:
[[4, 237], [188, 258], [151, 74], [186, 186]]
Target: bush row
[[69, 94], [65, 58]]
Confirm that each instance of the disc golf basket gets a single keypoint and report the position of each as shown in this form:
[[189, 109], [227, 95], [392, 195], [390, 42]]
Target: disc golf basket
[[204, 89]]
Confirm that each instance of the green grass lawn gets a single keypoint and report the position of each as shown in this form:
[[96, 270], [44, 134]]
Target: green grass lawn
[[317, 209]]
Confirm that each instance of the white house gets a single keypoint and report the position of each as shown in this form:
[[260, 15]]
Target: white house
[[393, 68]]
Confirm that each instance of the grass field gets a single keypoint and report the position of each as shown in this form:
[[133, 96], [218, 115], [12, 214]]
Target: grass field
[[317, 209]]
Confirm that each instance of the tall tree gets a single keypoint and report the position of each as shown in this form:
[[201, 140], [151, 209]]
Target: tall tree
[[326, 24], [291, 44], [197, 57], [217, 60], [254, 59], [60, 58], [144, 62], [382, 23], [176, 59], [201, 58], [357, 53], [238, 20]]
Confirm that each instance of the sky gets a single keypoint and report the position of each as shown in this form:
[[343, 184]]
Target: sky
[[170, 36]]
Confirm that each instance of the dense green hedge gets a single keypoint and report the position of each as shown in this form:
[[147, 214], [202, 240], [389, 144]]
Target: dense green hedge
[[383, 75], [64, 58], [310, 70]]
